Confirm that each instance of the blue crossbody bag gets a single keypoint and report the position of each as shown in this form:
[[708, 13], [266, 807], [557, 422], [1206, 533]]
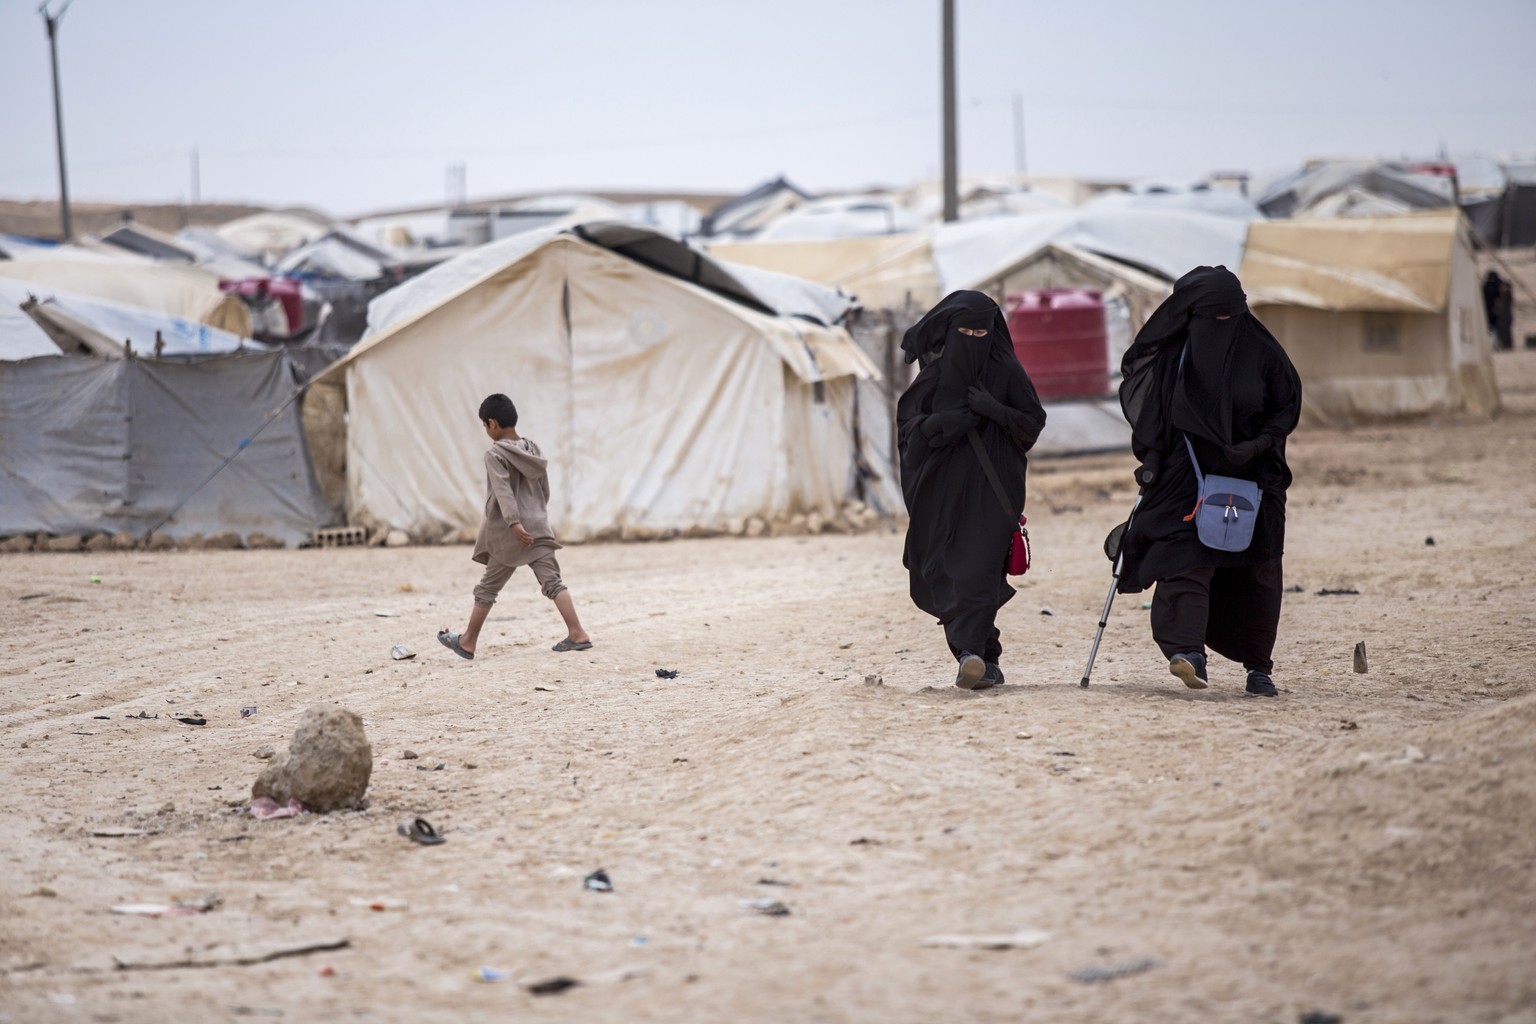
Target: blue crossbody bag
[[1226, 510]]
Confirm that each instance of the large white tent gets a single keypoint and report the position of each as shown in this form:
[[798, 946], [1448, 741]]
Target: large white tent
[[662, 406]]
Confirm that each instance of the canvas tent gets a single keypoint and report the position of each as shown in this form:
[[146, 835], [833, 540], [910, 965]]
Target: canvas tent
[[271, 234], [886, 272], [173, 289], [745, 215], [662, 405], [90, 445], [1382, 316]]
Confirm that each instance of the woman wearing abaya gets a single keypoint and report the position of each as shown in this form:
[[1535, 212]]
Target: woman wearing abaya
[[971, 390], [1204, 368]]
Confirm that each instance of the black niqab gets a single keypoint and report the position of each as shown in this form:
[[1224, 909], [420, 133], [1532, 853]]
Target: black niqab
[[958, 535], [1219, 382]]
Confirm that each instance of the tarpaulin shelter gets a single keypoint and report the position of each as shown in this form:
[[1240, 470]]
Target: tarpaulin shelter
[[1166, 242], [662, 405], [173, 289], [271, 234], [91, 445], [78, 325], [1381, 315], [883, 272]]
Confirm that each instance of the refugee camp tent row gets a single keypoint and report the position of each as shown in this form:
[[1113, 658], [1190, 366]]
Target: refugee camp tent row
[[1382, 316], [665, 404], [92, 445]]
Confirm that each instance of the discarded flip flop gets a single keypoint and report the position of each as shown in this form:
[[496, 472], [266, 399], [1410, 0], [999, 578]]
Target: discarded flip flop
[[571, 645], [421, 831], [451, 641]]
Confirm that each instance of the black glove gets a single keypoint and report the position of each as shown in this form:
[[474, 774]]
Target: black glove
[[983, 404], [1242, 453], [946, 427]]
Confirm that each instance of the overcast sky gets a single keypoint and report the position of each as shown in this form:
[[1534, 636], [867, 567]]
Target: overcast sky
[[353, 105]]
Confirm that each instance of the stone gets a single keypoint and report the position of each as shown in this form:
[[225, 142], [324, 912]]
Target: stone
[[396, 539], [124, 540], [68, 542], [263, 542], [100, 542], [265, 752], [814, 522], [736, 527], [797, 525], [16, 544], [161, 542], [225, 540], [326, 766], [756, 527], [191, 542]]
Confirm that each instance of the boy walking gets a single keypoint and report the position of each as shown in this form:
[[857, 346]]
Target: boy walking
[[515, 531]]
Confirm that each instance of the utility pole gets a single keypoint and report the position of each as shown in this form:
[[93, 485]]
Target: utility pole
[[951, 163], [1018, 134], [52, 21], [197, 185]]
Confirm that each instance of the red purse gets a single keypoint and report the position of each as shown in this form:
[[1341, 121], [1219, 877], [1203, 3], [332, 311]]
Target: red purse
[[1018, 551], [1018, 555]]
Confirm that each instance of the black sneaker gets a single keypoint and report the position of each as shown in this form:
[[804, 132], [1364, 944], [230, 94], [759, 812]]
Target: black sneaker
[[972, 671], [1190, 668], [994, 674], [1260, 685]]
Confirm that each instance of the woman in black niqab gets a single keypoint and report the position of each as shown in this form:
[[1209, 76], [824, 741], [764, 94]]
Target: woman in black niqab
[[1205, 368], [959, 534]]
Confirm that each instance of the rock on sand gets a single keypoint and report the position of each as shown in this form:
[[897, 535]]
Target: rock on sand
[[325, 767]]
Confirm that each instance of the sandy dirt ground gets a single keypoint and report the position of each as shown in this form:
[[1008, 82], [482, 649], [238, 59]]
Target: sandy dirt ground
[[1364, 846]]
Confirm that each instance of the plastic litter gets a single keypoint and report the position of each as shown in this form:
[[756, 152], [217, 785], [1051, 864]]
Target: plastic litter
[[265, 808], [768, 908], [597, 881], [666, 673], [189, 720], [248, 711], [491, 974], [1024, 938], [400, 652], [1094, 975]]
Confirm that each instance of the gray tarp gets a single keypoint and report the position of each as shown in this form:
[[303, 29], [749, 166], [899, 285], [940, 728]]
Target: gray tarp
[[89, 445]]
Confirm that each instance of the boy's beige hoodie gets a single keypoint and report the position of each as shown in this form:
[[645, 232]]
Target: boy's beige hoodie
[[517, 491]]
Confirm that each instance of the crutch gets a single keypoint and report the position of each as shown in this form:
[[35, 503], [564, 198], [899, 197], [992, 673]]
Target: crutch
[[1114, 585]]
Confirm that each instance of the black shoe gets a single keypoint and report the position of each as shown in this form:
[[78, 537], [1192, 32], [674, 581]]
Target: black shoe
[[1190, 668], [1260, 685], [972, 671], [993, 675]]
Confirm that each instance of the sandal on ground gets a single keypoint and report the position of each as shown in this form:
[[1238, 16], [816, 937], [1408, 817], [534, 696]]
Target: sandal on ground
[[421, 831], [451, 641], [571, 645]]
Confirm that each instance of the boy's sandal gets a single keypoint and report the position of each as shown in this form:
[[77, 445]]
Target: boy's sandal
[[451, 641], [571, 645], [421, 831]]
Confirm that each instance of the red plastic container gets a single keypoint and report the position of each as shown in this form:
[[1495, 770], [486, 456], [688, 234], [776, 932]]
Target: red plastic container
[[1061, 337]]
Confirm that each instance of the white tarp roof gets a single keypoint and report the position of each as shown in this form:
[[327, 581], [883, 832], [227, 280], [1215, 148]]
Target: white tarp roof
[[857, 216], [270, 235], [1168, 242], [782, 293], [20, 336], [170, 288], [332, 257]]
